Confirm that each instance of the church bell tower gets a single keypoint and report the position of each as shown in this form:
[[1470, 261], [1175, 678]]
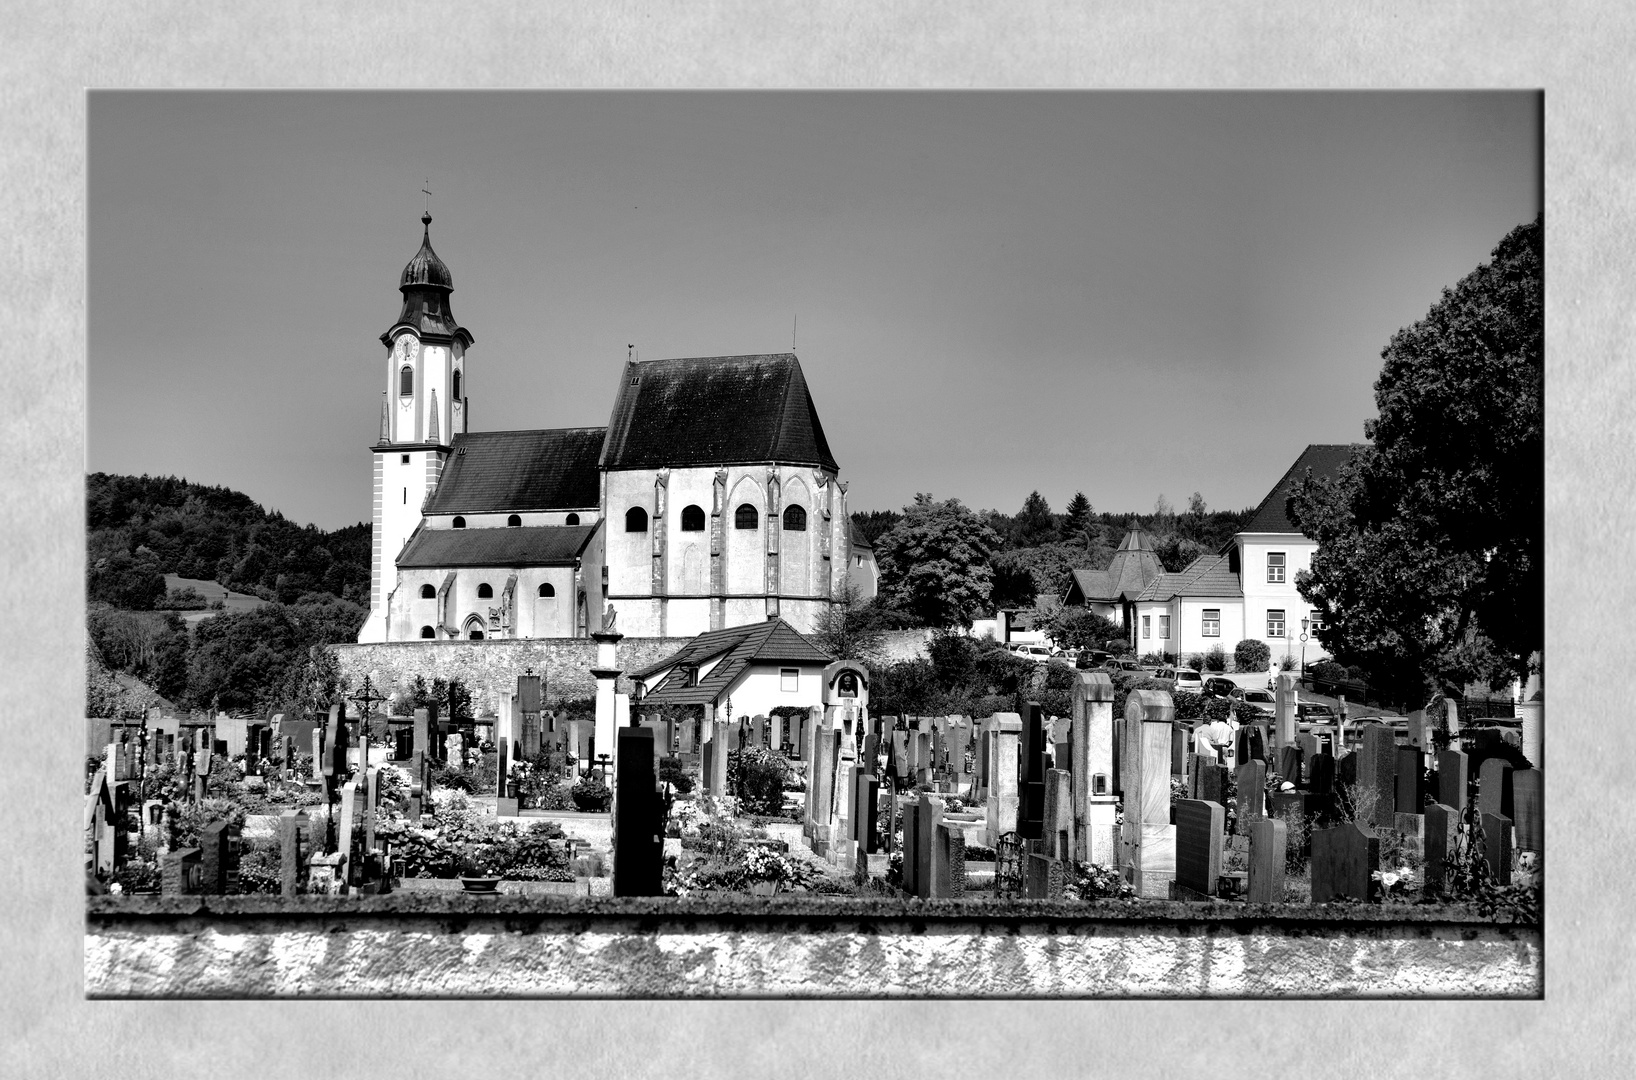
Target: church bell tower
[[423, 407]]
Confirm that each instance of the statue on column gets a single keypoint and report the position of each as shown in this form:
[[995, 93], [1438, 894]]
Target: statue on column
[[608, 618]]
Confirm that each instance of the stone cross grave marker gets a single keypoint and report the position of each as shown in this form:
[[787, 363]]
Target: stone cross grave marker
[[911, 848], [1199, 826], [928, 817], [295, 843]]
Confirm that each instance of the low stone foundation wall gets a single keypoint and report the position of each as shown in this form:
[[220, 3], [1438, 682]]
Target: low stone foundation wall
[[480, 666], [442, 945]]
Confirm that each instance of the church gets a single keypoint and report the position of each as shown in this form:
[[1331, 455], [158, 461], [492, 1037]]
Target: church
[[710, 500]]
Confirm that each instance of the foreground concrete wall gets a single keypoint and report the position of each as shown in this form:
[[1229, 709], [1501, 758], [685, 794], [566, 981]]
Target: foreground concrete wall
[[454, 945]]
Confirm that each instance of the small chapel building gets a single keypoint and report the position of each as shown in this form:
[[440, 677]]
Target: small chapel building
[[710, 500]]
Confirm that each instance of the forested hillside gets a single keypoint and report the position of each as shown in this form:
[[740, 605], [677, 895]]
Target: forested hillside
[[142, 527]]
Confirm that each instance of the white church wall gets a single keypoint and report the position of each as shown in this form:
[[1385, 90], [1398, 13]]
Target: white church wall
[[745, 547], [687, 554], [629, 554], [687, 617], [795, 546]]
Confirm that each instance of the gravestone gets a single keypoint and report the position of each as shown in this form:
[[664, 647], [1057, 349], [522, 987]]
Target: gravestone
[[1308, 744], [1044, 878], [1410, 774], [949, 865], [1001, 805], [911, 848], [1494, 795], [1343, 858], [1321, 774], [1251, 780], [1031, 812], [179, 872], [638, 840], [1149, 836], [1442, 842], [1289, 764], [1057, 832], [218, 867], [1528, 798], [1212, 782], [295, 844], [1095, 805], [1497, 847], [1199, 826], [1268, 838], [1377, 775], [1249, 742], [1178, 751], [866, 820], [1453, 779], [928, 817]]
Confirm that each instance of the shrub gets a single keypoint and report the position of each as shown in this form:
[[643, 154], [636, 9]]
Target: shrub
[[1215, 659], [260, 869], [1195, 661], [671, 772], [1251, 655], [756, 775], [591, 795]]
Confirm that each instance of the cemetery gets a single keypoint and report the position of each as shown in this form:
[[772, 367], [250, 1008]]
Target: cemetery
[[1117, 815]]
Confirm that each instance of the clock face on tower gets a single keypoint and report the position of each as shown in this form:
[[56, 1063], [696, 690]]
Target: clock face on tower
[[406, 347]]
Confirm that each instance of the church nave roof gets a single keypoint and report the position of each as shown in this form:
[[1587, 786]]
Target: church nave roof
[[530, 545], [510, 471]]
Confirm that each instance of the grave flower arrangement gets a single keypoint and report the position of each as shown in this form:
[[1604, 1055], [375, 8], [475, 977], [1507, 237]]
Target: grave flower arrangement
[[591, 795]]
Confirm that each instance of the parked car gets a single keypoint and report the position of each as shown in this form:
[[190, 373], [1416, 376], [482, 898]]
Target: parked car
[[1040, 654], [1184, 680], [1312, 712], [1216, 686], [1254, 701], [1091, 660], [1124, 665]]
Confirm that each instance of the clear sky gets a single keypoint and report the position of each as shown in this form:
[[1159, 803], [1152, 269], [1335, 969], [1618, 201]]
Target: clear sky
[[1126, 294]]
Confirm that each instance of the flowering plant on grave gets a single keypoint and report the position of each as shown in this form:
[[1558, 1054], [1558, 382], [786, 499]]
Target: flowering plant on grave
[[764, 864], [1093, 882], [478, 861]]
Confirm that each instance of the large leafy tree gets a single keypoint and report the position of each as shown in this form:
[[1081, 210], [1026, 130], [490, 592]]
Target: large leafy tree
[[1429, 571], [935, 562]]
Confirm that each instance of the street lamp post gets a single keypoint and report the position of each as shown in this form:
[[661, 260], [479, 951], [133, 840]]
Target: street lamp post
[[1304, 625]]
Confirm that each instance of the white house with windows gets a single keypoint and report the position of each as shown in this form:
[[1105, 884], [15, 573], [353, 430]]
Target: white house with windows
[[741, 671], [1246, 590], [710, 500]]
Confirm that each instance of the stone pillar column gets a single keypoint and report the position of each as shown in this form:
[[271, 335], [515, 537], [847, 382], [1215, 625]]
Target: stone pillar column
[[1149, 836], [1284, 694], [1532, 715], [1095, 804], [607, 676]]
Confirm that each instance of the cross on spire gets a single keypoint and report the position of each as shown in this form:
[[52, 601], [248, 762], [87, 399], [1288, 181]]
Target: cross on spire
[[427, 188]]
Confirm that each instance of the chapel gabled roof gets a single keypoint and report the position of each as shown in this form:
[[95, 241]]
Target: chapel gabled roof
[[715, 410], [512, 471], [1323, 460], [773, 641], [1131, 569]]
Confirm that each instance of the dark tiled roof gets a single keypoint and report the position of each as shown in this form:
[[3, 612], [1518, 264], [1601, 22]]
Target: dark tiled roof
[[1205, 576], [771, 641], [490, 471], [1323, 459], [534, 545], [1089, 585], [715, 410]]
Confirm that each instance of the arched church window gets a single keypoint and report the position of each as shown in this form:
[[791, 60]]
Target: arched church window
[[513, 521], [459, 522], [406, 380], [456, 384], [636, 520], [548, 589], [745, 517], [795, 519], [427, 592], [692, 519], [485, 591], [427, 631], [571, 519]]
